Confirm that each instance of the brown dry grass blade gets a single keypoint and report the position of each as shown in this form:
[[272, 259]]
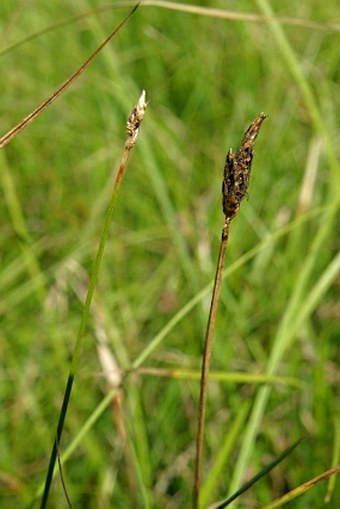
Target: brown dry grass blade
[[279, 502], [27, 120]]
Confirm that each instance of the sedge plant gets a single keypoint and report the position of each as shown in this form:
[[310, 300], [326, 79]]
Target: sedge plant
[[132, 127], [309, 303], [234, 188]]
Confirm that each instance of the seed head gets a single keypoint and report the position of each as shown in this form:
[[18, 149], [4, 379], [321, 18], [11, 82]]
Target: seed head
[[237, 170], [135, 119]]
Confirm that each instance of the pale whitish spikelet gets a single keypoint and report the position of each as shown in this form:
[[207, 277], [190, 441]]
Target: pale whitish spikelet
[[135, 119]]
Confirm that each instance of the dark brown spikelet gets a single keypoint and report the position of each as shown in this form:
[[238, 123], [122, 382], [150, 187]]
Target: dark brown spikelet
[[237, 170]]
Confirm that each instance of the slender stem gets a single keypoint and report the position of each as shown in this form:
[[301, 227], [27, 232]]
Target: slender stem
[[234, 188], [81, 332], [133, 124], [6, 138], [206, 361]]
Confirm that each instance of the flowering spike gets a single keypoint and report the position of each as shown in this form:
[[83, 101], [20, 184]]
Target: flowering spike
[[135, 119], [237, 170]]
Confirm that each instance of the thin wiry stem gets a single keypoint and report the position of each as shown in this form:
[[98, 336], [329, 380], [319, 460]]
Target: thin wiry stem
[[181, 7], [63, 483], [206, 361], [234, 188], [6, 138], [259, 476], [133, 124]]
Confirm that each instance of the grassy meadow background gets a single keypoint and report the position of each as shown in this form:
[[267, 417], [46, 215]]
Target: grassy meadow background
[[275, 366]]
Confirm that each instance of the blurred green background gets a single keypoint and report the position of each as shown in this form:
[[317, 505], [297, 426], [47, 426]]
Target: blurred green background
[[207, 77]]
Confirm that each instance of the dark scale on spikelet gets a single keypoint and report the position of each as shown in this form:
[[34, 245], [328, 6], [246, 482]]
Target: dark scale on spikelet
[[237, 170]]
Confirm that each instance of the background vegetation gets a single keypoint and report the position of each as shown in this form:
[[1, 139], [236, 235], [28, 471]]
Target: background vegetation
[[206, 79]]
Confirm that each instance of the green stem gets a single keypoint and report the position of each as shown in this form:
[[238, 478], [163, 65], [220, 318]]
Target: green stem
[[82, 327]]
